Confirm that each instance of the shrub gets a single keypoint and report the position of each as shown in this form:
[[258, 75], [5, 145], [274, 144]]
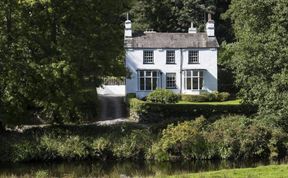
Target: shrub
[[162, 96], [224, 96], [194, 98], [24, 150], [130, 96], [41, 174], [101, 147], [133, 145], [184, 141], [212, 97], [238, 137], [65, 147], [151, 112]]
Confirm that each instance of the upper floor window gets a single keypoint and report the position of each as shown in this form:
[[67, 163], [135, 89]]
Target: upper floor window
[[193, 57], [148, 57], [170, 57]]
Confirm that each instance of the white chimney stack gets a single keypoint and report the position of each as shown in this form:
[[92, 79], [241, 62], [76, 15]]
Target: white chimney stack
[[128, 28], [210, 27], [192, 29]]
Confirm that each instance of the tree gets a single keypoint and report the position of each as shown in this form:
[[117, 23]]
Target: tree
[[260, 55], [51, 49], [170, 15]]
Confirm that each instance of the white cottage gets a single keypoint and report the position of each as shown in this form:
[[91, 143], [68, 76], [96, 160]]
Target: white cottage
[[185, 63]]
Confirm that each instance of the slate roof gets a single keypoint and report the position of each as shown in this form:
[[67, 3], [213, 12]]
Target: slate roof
[[172, 40]]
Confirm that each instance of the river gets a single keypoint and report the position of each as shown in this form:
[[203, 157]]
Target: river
[[118, 168]]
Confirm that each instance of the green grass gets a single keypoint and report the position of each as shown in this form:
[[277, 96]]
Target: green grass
[[274, 171], [231, 102]]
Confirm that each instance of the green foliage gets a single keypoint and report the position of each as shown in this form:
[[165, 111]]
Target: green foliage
[[41, 43], [41, 174], [170, 16], [184, 141], [101, 146], [259, 56], [153, 113], [131, 95], [271, 171], [211, 97], [237, 137], [194, 98], [231, 137], [68, 147], [162, 96], [223, 96], [133, 145]]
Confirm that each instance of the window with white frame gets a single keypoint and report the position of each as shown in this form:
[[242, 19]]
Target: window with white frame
[[194, 80], [170, 57], [148, 80], [148, 57], [193, 57], [171, 80]]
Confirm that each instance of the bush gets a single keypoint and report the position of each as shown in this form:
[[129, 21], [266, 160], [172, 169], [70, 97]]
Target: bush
[[184, 141], [224, 96], [133, 145], [162, 96], [194, 98], [65, 147], [151, 112], [131, 95], [211, 97], [238, 137]]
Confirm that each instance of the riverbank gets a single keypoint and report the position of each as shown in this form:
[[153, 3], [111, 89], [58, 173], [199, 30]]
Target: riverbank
[[227, 138], [273, 171], [127, 168]]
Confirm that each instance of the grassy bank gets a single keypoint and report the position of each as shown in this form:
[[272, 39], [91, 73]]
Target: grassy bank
[[274, 171], [230, 102], [229, 138]]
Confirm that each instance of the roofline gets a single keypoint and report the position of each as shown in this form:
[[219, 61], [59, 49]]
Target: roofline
[[172, 48]]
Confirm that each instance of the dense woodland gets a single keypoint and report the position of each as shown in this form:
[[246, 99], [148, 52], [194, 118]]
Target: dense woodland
[[54, 53]]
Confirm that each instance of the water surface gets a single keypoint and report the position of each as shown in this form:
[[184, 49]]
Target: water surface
[[119, 168]]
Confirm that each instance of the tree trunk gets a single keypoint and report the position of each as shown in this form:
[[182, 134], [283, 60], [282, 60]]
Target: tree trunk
[[2, 127]]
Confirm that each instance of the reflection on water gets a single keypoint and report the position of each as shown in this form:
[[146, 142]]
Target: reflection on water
[[115, 169]]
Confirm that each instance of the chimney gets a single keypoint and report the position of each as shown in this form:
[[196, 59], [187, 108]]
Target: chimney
[[210, 27], [128, 28], [192, 29]]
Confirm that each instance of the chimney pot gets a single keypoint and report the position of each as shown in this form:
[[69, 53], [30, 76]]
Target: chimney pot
[[209, 17]]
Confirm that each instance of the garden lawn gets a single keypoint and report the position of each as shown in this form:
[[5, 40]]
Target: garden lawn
[[274, 171], [231, 102]]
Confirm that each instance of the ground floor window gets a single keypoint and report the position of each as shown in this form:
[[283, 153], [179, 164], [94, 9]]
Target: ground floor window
[[148, 80], [171, 80], [193, 80]]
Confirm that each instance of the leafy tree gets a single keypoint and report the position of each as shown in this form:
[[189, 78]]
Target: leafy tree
[[260, 54], [52, 51], [170, 15]]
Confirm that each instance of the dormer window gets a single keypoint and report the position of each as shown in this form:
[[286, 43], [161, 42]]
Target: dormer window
[[193, 57], [148, 57]]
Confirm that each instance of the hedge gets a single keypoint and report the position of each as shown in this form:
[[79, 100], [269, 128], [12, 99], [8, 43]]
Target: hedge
[[152, 112], [205, 97]]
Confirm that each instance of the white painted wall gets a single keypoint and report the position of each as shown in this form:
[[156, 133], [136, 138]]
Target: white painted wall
[[207, 59], [118, 90]]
